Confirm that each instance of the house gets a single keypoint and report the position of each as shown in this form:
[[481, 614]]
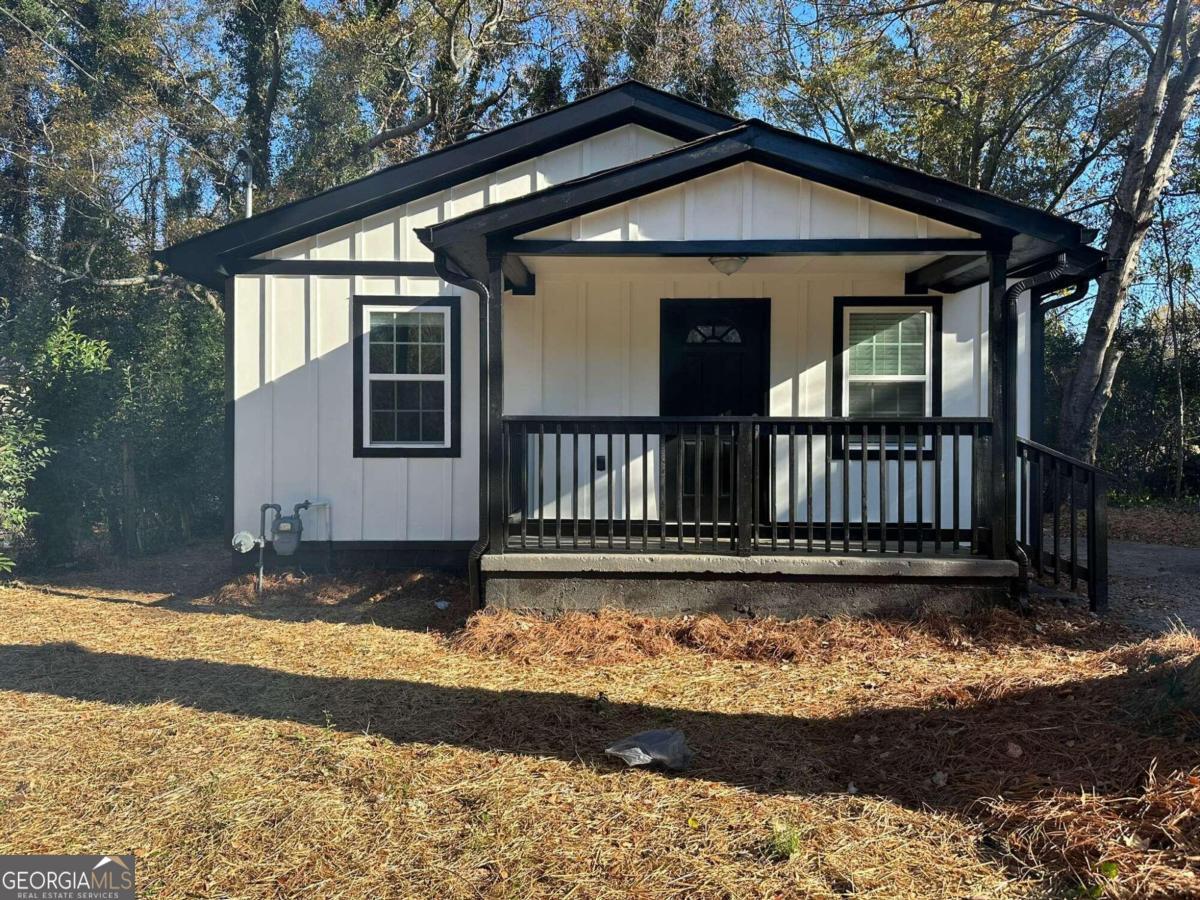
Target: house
[[638, 351]]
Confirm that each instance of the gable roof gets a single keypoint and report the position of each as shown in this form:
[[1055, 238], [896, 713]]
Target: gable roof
[[1035, 234], [629, 103]]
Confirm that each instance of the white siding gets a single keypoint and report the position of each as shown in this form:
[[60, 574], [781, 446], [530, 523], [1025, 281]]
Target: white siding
[[747, 202], [293, 367]]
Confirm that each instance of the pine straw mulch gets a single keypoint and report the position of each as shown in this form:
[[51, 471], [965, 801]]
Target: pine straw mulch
[[293, 744]]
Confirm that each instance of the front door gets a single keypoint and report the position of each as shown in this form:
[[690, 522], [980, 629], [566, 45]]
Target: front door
[[714, 360]]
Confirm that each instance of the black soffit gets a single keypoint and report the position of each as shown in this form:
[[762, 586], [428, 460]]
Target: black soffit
[[202, 258]]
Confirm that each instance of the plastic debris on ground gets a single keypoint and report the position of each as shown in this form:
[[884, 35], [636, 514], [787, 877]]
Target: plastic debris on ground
[[666, 747]]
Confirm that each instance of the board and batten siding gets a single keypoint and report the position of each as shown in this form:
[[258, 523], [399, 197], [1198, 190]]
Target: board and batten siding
[[293, 369], [747, 201]]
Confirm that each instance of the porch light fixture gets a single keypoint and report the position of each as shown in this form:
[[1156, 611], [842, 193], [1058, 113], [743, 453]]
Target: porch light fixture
[[727, 265]]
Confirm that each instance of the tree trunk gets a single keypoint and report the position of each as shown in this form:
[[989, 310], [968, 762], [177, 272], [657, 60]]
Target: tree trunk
[[130, 512], [1165, 104]]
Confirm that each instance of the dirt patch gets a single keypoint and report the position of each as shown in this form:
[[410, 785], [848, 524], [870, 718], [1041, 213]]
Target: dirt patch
[[197, 579], [1153, 587], [1177, 526], [419, 600], [192, 571]]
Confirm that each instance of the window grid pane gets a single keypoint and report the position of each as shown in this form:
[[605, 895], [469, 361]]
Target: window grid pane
[[403, 408], [886, 398], [407, 343], [884, 344], [408, 411]]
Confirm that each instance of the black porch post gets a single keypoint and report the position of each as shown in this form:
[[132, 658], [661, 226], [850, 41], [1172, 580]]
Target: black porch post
[[1002, 393], [494, 400]]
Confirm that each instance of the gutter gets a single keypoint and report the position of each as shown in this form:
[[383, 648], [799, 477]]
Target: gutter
[[474, 569]]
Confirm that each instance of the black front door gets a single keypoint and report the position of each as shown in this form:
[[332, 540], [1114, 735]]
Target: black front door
[[714, 360]]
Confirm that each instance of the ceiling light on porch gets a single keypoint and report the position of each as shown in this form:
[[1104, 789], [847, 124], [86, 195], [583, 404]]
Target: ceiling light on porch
[[727, 265]]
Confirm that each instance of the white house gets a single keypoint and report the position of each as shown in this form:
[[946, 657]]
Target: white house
[[638, 351]]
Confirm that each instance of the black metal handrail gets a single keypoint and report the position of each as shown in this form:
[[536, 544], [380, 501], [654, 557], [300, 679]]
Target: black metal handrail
[[745, 484], [1056, 489]]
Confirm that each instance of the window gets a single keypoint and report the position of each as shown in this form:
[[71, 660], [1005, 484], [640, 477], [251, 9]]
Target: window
[[406, 364], [887, 362], [887, 357], [718, 333]]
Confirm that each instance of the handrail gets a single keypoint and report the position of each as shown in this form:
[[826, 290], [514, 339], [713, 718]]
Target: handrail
[[1044, 475], [1058, 454], [725, 420]]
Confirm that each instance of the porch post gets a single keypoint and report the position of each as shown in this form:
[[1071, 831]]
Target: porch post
[[1002, 394], [494, 400]]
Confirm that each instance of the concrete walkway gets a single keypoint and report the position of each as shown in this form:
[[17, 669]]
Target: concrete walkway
[[1152, 586]]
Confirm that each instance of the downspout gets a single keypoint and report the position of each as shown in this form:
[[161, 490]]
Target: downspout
[[1011, 295], [1010, 298], [474, 574], [1038, 307], [1077, 293]]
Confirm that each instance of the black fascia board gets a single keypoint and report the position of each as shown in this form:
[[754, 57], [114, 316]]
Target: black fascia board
[[591, 192], [944, 199], [629, 103], [466, 239], [1033, 232], [949, 275]]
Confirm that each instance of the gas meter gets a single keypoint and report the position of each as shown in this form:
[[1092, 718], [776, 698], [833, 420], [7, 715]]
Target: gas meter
[[285, 533]]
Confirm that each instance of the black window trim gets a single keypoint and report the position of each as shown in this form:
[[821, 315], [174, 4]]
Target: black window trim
[[449, 301], [933, 304]]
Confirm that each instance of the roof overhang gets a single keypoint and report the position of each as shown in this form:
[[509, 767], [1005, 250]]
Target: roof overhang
[[1028, 234], [202, 259]]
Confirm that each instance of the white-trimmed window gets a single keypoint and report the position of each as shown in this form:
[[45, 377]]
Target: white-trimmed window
[[406, 366], [888, 362]]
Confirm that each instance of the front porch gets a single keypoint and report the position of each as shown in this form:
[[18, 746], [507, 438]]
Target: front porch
[[726, 371], [744, 514]]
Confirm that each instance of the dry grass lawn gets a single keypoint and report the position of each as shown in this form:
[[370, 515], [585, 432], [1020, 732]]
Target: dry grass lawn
[[340, 738]]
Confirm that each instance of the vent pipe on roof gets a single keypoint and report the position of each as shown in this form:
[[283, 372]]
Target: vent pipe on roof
[[246, 155]]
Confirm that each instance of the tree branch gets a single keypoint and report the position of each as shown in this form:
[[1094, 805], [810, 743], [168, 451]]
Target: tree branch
[[152, 280], [391, 134]]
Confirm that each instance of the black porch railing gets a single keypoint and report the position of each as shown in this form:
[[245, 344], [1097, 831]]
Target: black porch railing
[[1062, 524], [745, 485]]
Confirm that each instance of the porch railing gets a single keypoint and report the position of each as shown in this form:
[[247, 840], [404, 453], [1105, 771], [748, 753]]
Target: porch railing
[[745, 485], [1063, 521]]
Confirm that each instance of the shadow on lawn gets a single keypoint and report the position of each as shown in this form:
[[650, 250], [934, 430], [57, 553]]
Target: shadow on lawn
[[399, 600], [1078, 734]]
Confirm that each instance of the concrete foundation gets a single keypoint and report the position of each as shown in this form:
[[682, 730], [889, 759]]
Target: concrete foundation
[[734, 587]]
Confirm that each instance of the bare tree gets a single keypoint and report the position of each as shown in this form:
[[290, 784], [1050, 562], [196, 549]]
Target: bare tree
[[1170, 41]]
